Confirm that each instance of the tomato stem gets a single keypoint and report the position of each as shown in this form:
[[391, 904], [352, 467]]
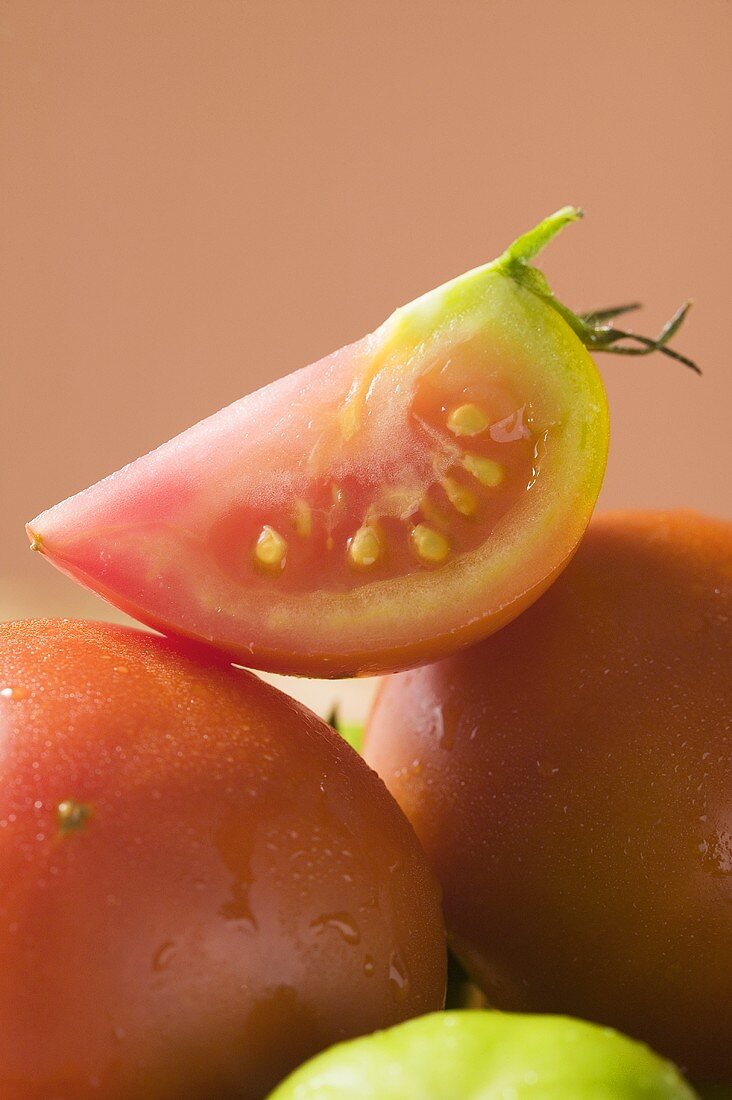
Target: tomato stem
[[595, 329], [530, 244]]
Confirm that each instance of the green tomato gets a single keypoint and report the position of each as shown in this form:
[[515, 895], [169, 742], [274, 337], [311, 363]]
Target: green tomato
[[487, 1056], [351, 733]]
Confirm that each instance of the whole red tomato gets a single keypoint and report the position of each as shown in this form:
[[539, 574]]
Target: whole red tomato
[[571, 781], [200, 883]]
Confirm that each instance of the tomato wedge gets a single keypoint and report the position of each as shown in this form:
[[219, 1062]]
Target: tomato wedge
[[405, 496]]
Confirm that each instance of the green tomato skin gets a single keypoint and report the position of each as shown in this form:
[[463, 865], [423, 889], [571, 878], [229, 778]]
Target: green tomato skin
[[487, 1055]]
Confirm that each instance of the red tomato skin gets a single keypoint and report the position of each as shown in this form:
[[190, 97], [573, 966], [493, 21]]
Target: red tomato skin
[[242, 893], [571, 781]]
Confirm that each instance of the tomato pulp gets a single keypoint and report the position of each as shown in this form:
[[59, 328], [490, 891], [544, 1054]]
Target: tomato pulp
[[201, 884], [571, 781], [402, 497]]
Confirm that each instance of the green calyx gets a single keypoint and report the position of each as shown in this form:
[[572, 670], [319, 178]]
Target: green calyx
[[595, 329]]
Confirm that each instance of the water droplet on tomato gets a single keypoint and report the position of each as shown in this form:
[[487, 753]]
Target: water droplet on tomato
[[16, 693], [445, 730], [369, 966], [342, 923], [163, 957], [398, 976], [238, 909]]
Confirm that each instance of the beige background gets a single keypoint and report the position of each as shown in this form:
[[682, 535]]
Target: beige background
[[201, 195]]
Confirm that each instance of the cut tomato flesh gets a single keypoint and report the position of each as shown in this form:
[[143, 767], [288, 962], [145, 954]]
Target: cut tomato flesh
[[432, 496], [404, 496]]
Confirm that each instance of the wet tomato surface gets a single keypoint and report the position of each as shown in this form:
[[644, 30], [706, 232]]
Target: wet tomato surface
[[571, 781], [201, 884]]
